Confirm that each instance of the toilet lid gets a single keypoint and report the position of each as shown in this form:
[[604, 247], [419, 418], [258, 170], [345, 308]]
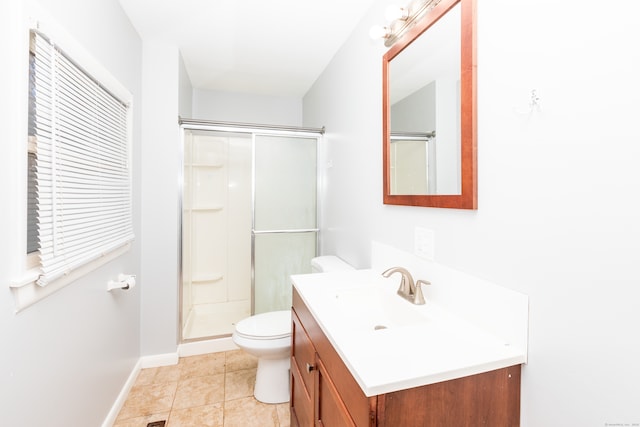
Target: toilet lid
[[271, 325]]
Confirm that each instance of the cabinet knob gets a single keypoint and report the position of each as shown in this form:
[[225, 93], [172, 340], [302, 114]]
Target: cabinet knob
[[310, 367]]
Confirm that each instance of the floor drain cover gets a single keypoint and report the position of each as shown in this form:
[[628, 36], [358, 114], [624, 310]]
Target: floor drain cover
[[157, 424]]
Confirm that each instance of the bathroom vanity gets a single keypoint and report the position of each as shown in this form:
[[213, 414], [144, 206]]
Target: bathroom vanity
[[362, 356]]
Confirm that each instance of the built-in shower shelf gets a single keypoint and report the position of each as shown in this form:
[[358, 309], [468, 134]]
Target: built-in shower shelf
[[213, 277]]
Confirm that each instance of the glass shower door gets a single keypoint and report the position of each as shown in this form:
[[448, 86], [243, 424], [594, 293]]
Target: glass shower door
[[284, 234]]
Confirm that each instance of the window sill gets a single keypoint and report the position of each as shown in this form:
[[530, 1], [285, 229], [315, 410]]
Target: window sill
[[26, 292]]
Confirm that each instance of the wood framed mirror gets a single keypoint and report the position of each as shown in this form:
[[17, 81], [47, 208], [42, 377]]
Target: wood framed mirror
[[429, 111]]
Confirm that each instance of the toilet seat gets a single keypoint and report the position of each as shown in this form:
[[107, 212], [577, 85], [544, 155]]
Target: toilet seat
[[266, 326]]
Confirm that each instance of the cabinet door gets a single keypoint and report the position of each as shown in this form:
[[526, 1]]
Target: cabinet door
[[330, 409], [301, 401], [302, 375]]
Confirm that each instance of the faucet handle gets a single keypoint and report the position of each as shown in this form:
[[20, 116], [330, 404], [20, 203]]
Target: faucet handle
[[418, 297]]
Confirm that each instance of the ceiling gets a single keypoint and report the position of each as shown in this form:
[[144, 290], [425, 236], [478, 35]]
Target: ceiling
[[264, 47]]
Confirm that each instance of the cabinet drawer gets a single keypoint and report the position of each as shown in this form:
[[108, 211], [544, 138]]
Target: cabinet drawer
[[304, 354]]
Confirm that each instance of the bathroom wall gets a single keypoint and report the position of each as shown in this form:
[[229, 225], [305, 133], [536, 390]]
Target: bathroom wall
[[167, 94], [65, 359], [185, 91], [161, 168], [247, 108], [558, 215]]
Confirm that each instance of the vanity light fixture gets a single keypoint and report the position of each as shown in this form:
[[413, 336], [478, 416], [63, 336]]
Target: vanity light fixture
[[400, 19]]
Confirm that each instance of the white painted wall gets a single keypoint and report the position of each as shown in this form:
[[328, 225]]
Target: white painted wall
[[559, 212], [246, 108], [65, 359], [185, 91], [161, 168]]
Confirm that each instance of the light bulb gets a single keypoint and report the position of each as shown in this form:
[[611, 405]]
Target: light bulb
[[378, 32], [394, 12]]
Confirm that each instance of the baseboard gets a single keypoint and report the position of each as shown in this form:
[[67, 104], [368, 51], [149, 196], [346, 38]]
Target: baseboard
[[122, 396], [158, 360], [144, 362]]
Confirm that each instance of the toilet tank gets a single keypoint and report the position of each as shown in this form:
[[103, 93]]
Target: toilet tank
[[327, 263]]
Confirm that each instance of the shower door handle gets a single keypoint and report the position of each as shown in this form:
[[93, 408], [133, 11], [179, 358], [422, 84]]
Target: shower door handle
[[292, 230]]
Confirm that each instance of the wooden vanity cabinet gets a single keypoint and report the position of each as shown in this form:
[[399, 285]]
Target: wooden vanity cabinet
[[303, 363], [324, 393]]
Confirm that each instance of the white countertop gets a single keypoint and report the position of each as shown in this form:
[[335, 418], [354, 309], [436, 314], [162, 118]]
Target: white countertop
[[422, 345]]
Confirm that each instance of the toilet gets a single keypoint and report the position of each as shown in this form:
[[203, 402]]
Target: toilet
[[268, 337]]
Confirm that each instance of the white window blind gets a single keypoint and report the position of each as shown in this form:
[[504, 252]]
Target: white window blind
[[82, 164]]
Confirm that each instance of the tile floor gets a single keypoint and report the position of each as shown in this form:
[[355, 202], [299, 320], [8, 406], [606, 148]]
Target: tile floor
[[210, 390]]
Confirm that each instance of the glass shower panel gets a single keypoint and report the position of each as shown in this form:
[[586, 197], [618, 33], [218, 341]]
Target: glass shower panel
[[278, 255], [409, 167], [285, 183], [285, 216]]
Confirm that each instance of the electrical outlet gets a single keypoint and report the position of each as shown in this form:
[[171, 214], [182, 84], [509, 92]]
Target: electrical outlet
[[424, 245]]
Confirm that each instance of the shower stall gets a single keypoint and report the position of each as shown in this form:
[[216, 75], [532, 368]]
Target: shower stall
[[249, 221]]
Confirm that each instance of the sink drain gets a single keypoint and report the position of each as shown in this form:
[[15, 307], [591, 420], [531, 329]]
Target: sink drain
[[378, 327]]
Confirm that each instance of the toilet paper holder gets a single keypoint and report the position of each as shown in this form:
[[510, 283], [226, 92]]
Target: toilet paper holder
[[124, 282]]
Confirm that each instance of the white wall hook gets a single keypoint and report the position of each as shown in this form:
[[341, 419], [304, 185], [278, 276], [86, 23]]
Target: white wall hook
[[534, 104]]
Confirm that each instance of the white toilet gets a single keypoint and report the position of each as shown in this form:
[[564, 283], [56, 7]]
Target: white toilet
[[268, 337]]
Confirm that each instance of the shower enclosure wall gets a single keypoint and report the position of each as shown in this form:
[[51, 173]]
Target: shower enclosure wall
[[249, 221]]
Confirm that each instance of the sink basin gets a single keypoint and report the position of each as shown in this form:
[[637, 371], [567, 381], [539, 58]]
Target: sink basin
[[374, 309]]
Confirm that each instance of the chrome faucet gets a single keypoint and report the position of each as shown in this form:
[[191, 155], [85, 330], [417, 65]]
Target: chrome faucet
[[408, 290]]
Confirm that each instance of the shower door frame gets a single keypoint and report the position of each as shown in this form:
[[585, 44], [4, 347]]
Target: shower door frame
[[253, 130]]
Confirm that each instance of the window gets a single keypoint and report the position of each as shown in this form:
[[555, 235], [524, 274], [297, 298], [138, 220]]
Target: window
[[79, 180]]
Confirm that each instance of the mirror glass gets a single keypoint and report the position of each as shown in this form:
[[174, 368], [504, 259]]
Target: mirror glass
[[429, 111]]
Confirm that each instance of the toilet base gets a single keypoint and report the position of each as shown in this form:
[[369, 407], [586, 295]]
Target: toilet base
[[272, 380]]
